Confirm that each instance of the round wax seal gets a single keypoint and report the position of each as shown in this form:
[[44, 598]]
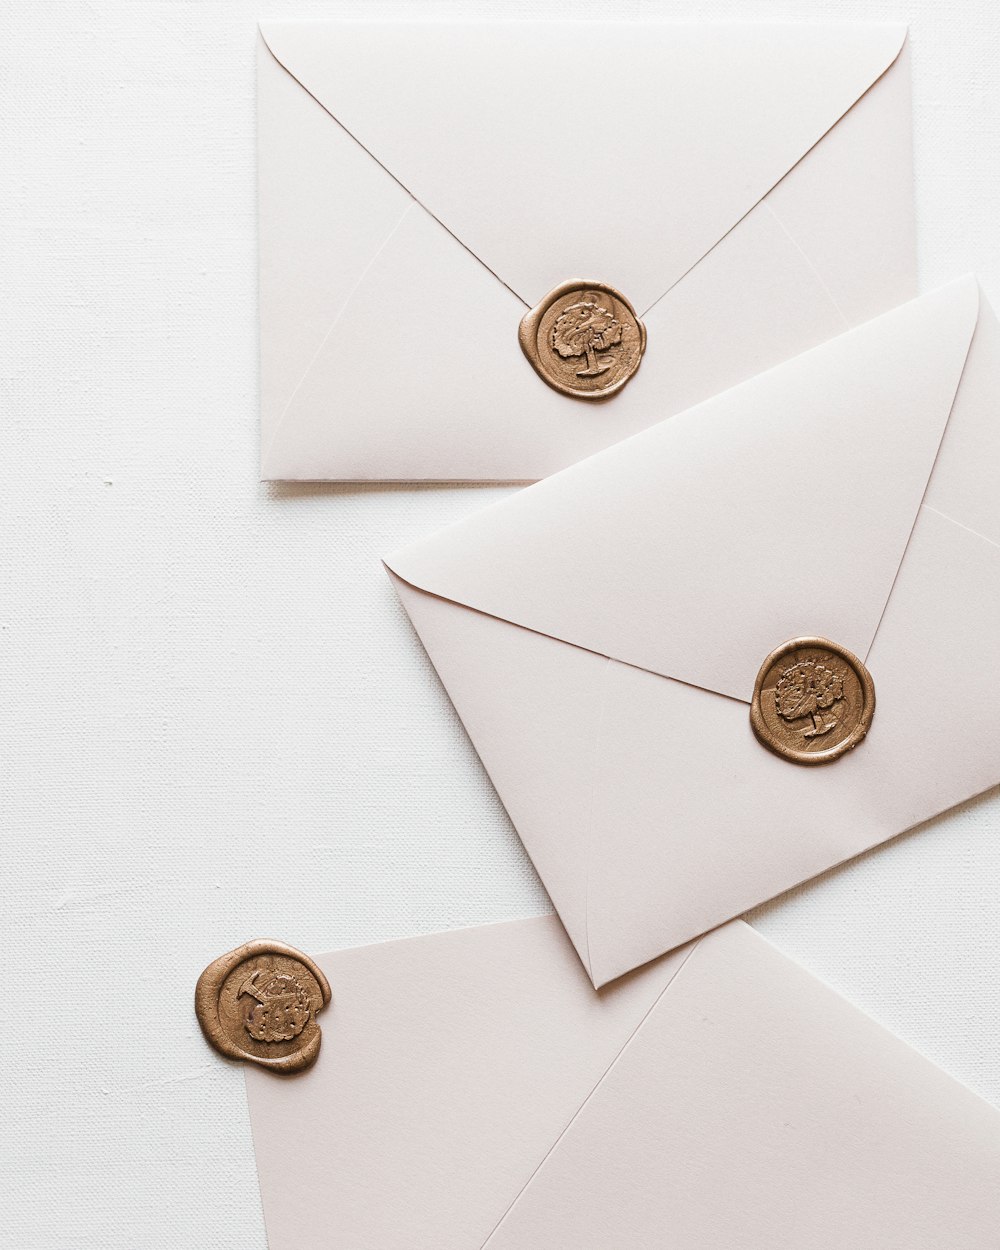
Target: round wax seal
[[584, 339], [260, 1003], [813, 701]]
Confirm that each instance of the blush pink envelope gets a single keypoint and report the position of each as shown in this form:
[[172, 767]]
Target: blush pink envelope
[[474, 1091], [600, 633], [422, 184]]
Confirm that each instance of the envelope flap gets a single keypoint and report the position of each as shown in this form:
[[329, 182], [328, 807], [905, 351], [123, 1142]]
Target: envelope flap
[[450, 1065], [779, 509], [620, 152], [756, 1108]]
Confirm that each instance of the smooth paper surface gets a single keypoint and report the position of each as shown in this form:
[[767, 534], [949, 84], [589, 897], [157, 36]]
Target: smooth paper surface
[[473, 1090], [748, 187], [600, 633], [449, 1065]]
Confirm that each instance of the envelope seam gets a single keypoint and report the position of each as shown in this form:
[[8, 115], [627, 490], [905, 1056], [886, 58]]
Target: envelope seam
[[952, 521], [279, 424], [506, 620], [369, 152], [595, 761], [809, 263], [763, 198], [927, 486], [597, 1085]]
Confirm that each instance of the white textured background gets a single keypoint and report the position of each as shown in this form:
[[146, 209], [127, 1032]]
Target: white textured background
[[216, 722]]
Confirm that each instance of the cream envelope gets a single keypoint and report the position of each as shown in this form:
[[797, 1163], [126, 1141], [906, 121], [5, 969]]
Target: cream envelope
[[747, 187], [473, 1090], [600, 633]]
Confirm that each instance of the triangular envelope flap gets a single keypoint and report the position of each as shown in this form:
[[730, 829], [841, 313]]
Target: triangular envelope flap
[[756, 1108], [779, 509], [619, 152], [450, 1065]]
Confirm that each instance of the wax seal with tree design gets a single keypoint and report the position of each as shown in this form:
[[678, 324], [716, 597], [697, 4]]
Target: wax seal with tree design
[[584, 339], [259, 1003], [813, 701]]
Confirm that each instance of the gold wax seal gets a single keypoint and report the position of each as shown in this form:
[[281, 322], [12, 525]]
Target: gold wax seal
[[813, 701], [259, 1003], [584, 339]]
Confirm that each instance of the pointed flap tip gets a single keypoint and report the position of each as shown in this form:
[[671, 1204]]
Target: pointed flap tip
[[956, 306], [967, 289], [608, 963]]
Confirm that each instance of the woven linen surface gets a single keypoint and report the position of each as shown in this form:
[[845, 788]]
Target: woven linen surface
[[217, 722]]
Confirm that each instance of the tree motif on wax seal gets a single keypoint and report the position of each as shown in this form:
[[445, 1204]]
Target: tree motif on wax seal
[[809, 689], [279, 1008], [589, 320], [584, 329]]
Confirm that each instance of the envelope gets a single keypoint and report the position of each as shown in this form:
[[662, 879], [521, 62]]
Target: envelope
[[473, 1090], [600, 632], [748, 188]]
